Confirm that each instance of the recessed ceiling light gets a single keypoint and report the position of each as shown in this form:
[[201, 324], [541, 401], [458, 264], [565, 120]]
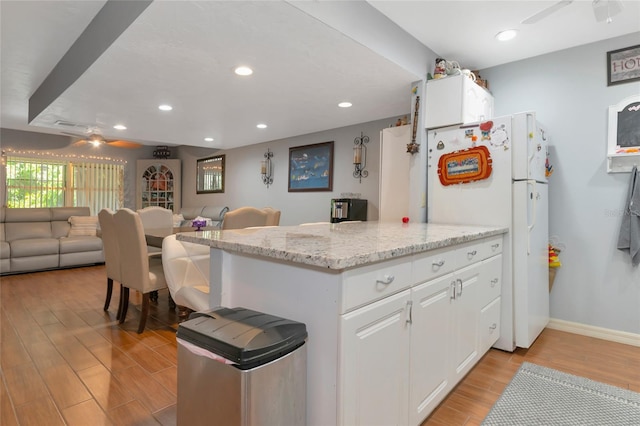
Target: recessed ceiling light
[[345, 104], [120, 127], [165, 107], [506, 35], [243, 70], [208, 139], [261, 126]]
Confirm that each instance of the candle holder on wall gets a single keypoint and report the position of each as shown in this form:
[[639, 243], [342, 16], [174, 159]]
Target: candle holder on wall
[[265, 168], [360, 157]]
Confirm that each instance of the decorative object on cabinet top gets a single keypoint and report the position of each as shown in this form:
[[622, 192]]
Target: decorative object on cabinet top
[[162, 151]]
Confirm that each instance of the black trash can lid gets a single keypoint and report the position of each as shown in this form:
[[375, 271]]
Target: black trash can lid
[[248, 338]]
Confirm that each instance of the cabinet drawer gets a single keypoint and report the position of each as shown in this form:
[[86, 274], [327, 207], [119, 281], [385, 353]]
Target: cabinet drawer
[[433, 264], [490, 280], [489, 326], [479, 250], [373, 282]]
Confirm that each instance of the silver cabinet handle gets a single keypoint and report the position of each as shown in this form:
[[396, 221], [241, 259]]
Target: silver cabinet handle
[[409, 319], [388, 279], [459, 281], [492, 327], [494, 247], [494, 282], [453, 290], [439, 263], [472, 253]]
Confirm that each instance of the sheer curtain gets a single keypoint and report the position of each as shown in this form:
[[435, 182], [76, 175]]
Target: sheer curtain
[[97, 185]]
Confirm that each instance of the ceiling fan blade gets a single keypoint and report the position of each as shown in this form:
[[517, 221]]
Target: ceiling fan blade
[[75, 135], [80, 142], [124, 144], [546, 12]]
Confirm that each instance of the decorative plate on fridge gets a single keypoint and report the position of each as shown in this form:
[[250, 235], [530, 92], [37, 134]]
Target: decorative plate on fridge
[[464, 166]]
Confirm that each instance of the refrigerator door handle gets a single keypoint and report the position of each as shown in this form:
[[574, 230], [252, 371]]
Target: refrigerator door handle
[[531, 139], [534, 201]]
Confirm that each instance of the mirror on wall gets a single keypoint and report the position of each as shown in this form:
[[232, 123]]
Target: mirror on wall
[[210, 174]]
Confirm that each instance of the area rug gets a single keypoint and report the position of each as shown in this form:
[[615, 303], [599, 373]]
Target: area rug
[[542, 396]]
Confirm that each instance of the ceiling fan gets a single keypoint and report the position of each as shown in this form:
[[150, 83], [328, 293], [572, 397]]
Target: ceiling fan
[[96, 140], [604, 10]]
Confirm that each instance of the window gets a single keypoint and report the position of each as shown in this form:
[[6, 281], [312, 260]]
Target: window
[[55, 183]]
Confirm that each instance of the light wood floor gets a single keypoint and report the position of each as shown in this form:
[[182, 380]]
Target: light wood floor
[[65, 361]]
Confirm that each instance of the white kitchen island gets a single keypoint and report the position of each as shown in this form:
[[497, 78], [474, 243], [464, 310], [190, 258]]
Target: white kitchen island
[[396, 314]]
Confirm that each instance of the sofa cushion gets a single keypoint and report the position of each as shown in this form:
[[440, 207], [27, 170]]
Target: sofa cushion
[[190, 213], [214, 212], [27, 215], [34, 247], [80, 244], [83, 225], [5, 250], [27, 230], [63, 213]]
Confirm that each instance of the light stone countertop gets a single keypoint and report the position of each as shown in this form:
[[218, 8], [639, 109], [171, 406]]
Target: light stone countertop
[[340, 245]]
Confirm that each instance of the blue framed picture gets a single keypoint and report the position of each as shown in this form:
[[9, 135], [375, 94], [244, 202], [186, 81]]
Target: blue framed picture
[[311, 167]]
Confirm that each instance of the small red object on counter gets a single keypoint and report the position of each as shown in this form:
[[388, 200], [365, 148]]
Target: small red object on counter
[[405, 219]]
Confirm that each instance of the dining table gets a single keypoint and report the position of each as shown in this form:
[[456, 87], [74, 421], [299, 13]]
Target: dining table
[[155, 236]]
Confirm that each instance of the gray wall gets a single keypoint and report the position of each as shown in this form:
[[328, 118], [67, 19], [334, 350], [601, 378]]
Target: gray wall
[[596, 284], [244, 187]]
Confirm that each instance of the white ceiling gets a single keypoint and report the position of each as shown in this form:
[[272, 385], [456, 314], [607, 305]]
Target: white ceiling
[[184, 52]]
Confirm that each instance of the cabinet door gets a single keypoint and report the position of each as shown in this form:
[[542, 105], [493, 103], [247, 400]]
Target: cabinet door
[[430, 343], [374, 354], [465, 323]]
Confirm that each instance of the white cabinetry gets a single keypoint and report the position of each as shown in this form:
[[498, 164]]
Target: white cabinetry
[[456, 100], [395, 168], [401, 353], [374, 357], [158, 184]]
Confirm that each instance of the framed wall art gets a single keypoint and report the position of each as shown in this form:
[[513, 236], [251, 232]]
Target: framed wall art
[[210, 175], [623, 65], [311, 167]]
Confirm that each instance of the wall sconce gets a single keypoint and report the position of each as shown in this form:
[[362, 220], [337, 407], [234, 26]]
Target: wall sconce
[[265, 168], [360, 157]]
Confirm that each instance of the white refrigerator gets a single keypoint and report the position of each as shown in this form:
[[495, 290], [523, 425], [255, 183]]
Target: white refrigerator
[[493, 173]]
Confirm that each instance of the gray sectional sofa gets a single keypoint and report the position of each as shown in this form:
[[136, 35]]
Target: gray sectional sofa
[[38, 239]]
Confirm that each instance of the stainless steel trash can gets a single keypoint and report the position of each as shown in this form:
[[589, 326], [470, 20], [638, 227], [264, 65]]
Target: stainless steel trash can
[[241, 367]]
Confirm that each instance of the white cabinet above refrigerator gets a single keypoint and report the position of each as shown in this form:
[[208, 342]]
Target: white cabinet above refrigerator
[[456, 100]]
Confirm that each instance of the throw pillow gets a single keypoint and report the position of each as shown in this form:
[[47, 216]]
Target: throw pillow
[[177, 220], [83, 226]]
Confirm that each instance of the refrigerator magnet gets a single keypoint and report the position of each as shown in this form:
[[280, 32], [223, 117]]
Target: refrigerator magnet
[[465, 166], [499, 136], [485, 128]]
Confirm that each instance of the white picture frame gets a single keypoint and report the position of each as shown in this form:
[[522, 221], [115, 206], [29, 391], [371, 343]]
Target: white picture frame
[[623, 144]]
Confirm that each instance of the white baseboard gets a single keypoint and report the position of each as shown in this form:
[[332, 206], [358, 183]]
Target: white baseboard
[[597, 332]]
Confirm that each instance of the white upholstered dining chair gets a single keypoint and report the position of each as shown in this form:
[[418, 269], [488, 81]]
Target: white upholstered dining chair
[[139, 271], [111, 256], [186, 269], [155, 217], [244, 217], [273, 216]]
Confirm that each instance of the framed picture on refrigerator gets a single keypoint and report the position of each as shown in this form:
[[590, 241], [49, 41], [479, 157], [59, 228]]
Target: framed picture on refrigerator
[[311, 167]]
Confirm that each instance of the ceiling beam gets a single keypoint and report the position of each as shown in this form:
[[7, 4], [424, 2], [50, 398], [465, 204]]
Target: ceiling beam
[[110, 22]]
